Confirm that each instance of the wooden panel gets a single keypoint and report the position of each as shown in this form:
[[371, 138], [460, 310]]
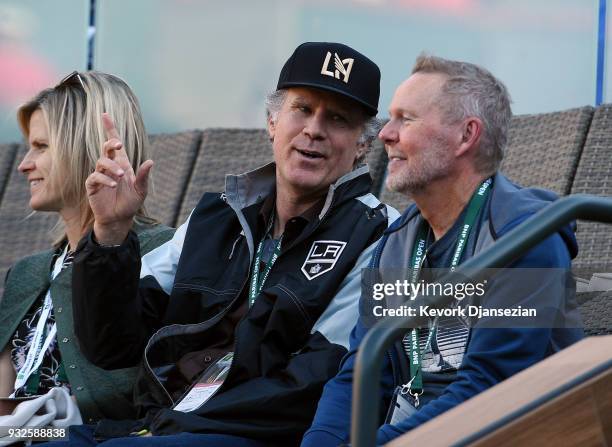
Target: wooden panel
[[602, 392], [570, 419], [516, 396]]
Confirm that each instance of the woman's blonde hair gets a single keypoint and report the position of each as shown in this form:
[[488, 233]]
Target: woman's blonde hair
[[73, 113]]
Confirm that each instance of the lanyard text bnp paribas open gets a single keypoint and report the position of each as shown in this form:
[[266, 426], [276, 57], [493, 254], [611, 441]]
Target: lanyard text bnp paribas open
[[256, 282], [415, 385]]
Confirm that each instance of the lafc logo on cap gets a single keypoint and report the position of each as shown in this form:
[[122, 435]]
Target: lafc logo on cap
[[343, 66], [322, 258]]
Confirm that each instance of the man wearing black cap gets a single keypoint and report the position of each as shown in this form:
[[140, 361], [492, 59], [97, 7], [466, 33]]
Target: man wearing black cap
[[245, 314]]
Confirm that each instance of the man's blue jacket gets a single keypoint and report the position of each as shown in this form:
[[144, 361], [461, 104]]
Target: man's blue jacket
[[491, 354]]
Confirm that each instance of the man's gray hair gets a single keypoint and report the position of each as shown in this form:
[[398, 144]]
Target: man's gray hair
[[471, 90], [371, 124]]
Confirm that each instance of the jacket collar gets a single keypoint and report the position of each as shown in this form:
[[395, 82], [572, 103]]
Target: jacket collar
[[509, 205], [32, 278], [254, 186], [36, 277], [508, 202]]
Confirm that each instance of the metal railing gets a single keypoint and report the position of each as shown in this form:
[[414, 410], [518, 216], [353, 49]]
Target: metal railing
[[367, 372]]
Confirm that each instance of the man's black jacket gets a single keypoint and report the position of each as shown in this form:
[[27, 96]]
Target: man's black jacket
[[289, 343]]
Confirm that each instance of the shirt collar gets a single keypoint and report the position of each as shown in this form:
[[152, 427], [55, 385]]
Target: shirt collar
[[265, 212]]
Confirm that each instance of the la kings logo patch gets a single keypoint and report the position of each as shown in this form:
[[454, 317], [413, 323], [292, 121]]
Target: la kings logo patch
[[322, 258]]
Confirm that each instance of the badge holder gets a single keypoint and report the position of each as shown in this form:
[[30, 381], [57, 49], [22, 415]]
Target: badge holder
[[404, 404], [207, 385]]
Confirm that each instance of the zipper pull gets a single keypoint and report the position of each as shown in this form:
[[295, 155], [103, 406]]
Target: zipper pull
[[234, 245]]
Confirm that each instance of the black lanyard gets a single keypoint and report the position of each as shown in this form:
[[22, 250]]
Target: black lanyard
[[256, 282]]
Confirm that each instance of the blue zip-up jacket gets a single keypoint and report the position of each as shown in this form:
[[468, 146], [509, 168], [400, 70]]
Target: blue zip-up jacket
[[491, 354]]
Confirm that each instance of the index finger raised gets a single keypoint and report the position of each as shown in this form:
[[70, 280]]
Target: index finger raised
[[109, 127]]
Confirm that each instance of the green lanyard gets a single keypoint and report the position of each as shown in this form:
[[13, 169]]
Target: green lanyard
[[419, 251], [256, 282]]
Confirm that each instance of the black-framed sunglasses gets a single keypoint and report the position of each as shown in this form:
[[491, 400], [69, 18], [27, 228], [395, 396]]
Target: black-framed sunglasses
[[72, 77]]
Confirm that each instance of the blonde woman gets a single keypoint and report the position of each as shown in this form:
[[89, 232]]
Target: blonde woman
[[65, 132]]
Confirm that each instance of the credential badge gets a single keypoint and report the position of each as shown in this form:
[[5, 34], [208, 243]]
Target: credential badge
[[322, 258]]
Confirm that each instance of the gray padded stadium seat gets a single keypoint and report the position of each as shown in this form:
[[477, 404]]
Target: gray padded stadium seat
[[543, 150], [594, 176], [224, 151], [377, 161], [7, 157], [596, 311], [174, 155]]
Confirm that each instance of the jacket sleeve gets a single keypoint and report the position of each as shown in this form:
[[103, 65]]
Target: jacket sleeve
[[119, 301], [494, 353], [155, 237], [332, 421]]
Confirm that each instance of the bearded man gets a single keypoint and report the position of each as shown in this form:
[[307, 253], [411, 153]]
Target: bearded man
[[445, 139]]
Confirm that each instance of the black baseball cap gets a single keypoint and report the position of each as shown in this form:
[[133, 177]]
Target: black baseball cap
[[334, 67]]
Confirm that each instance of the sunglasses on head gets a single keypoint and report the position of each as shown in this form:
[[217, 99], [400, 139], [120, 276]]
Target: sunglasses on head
[[72, 78]]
